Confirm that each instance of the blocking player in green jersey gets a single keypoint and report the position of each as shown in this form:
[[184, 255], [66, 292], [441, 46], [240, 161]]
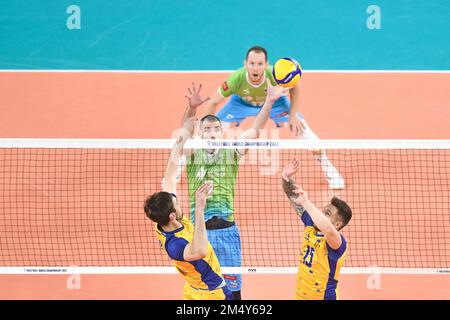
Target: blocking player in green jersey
[[246, 89], [220, 166]]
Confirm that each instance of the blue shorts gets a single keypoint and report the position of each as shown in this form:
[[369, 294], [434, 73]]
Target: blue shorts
[[227, 246], [237, 109]]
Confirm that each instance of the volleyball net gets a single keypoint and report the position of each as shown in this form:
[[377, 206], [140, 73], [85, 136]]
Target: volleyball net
[[77, 205]]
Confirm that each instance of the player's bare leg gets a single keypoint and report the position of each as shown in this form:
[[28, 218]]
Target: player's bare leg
[[333, 176]]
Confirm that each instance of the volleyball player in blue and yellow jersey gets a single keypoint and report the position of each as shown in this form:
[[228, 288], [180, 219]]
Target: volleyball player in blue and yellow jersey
[[185, 243], [323, 246]]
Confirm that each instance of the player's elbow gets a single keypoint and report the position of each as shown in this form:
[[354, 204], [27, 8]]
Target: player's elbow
[[324, 226], [201, 251], [327, 230], [195, 255], [199, 254], [202, 254]]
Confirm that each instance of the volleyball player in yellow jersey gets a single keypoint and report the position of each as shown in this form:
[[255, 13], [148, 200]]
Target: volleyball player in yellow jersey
[[323, 247], [187, 244]]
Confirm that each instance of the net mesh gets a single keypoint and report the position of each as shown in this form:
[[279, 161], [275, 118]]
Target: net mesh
[[84, 206]]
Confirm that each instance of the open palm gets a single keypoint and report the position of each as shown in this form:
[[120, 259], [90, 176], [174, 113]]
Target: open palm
[[195, 100], [275, 92], [291, 168], [202, 193]]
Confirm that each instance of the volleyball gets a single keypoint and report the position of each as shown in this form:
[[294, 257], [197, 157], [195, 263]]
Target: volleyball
[[287, 72]]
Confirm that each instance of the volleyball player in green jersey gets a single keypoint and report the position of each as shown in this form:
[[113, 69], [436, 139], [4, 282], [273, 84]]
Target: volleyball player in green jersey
[[247, 87], [221, 167]]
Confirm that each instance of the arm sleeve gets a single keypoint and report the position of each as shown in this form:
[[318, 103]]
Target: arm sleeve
[[340, 251], [306, 219], [175, 248], [228, 87]]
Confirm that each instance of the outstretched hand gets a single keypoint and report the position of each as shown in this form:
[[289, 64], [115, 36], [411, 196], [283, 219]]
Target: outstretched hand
[[202, 193], [195, 100], [290, 169], [275, 92]]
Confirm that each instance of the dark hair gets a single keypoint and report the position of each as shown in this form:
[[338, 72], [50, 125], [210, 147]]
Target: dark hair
[[344, 210], [158, 207], [257, 49], [210, 118]]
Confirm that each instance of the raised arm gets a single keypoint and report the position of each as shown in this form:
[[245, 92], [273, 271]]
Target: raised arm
[[332, 235], [289, 186], [273, 94], [170, 175], [194, 101], [295, 125], [198, 248]]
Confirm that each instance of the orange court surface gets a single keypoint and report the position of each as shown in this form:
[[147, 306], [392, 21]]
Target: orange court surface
[[149, 105]]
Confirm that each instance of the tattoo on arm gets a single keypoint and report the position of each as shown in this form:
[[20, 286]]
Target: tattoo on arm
[[288, 188]]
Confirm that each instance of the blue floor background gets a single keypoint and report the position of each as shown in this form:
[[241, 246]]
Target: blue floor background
[[214, 35]]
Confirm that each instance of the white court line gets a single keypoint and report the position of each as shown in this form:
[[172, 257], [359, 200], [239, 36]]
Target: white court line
[[236, 270]]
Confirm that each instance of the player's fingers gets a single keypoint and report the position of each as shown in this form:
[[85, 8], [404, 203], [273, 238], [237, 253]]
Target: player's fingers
[[208, 189], [205, 186], [290, 127], [199, 88], [202, 189], [208, 185], [193, 86], [190, 92]]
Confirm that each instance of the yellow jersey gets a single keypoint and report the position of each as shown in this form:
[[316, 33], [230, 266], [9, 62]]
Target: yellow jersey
[[319, 266], [203, 274]]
